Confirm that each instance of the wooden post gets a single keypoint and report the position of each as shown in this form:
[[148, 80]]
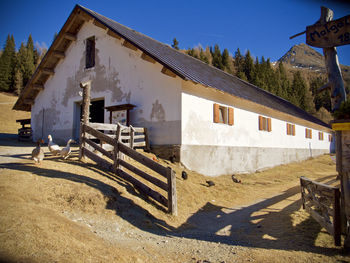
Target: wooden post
[[335, 79], [132, 135], [336, 218], [86, 86], [148, 149], [81, 144], [117, 154], [172, 200]]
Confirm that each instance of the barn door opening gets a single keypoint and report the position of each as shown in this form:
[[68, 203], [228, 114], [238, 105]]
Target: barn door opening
[[97, 111]]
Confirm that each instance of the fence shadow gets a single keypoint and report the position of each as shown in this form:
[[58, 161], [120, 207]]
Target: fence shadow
[[232, 226]]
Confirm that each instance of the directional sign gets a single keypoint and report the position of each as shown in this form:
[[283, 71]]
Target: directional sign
[[332, 34]]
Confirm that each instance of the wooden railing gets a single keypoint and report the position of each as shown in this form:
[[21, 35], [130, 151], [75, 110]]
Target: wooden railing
[[323, 203], [115, 162]]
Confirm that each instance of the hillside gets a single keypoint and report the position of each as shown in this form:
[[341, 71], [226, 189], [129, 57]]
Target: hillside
[[69, 211], [304, 57]]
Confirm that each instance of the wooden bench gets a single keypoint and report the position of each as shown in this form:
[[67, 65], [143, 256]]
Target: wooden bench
[[25, 133]]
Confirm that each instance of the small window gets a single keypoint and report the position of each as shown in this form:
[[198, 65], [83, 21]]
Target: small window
[[223, 114], [90, 52], [320, 136], [290, 129], [308, 133], [329, 137], [264, 124]]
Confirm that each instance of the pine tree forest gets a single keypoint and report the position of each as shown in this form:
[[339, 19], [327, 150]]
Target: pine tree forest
[[18, 66], [295, 86]]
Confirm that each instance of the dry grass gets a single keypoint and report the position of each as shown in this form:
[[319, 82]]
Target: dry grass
[[72, 211]]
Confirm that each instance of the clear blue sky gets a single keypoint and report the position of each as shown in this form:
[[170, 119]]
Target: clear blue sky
[[263, 27]]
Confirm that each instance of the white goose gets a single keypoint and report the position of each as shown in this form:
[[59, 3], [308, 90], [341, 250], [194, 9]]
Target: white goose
[[38, 152], [53, 147], [65, 152]]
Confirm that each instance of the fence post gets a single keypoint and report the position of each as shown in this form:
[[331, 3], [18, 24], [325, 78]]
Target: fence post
[[337, 218], [172, 200], [81, 143], [132, 134], [148, 149], [117, 153]]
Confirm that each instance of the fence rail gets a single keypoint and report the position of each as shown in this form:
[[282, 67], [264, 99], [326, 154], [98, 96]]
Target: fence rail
[[322, 202], [118, 165]]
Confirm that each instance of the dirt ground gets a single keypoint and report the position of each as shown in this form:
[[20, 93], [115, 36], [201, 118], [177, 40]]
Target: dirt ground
[[69, 211]]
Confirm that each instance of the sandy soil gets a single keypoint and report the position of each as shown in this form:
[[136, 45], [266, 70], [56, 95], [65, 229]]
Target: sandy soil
[[69, 211]]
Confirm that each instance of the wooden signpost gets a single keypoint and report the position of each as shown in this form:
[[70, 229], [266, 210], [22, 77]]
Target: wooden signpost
[[331, 34], [327, 34]]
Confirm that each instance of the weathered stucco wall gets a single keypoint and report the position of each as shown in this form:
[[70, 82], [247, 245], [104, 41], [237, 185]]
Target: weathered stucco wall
[[119, 76], [214, 148]]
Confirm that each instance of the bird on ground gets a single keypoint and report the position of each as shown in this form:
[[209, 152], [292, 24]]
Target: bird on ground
[[210, 183], [38, 153], [65, 152], [184, 175], [53, 147]]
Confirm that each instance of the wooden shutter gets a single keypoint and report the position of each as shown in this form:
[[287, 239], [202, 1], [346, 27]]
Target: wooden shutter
[[288, 129], [306, 133], [293, 130], [261, 126], [269, 124], [216, 113], [230, 116]]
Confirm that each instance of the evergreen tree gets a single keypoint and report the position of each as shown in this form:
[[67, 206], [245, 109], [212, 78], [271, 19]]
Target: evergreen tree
[[299, 91], [7, 65], [175, 44], [321, 99], [226, 60], [239, 64], [25, 60], [248, 66], [18, 81], [203, 57], [217, 59]]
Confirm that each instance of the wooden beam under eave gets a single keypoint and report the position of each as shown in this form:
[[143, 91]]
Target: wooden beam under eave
[[99, 24], [58, 54], [85, 17], [112, 34], [70, 36], [48, 71], [168, 72], [129, 45], [144, 56], [38, 87], [28, 101]]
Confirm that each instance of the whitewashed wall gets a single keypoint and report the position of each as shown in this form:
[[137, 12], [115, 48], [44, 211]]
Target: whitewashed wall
[[215, 148], [119, 76]]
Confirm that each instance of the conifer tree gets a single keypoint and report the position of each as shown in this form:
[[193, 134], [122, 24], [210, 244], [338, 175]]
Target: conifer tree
[[226, 60], [7, 65], [248, 66], [217, 59], [25, 60], [203, 57], [175, 44], [18, 81]]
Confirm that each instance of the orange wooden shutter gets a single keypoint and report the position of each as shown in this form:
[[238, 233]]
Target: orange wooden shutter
[[230, 116], [293, 130], [310, 133], [306, 133], [269, 124], [260, 123], [288, 129], [216, 113]]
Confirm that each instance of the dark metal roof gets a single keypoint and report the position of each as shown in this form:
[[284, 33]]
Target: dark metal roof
[[193, 69]]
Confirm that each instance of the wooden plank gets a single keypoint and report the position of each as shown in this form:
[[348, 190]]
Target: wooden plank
[[38, 87], [341, 126], [143, 159], [81, 142], [99, 148], [113, 34], [99, 135], [168, 72], [306, 181], [336, 218], [58, 54], [129, 45], [331, 34], [143, 188], [70, 36], [28, 101], [99, 24], [144, 175], [100, 161], [144, 56], [139, 144], [147, 148], [132, 134], [172, 198], [320, 219], [103, 126], [138, 137], [48, 71], [84, 16]]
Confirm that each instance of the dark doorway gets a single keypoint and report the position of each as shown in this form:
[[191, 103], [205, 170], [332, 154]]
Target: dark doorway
[[97, 111]]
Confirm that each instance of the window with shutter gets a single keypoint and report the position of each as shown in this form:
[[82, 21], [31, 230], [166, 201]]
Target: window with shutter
[[264, 124], [216, 113], [320, 136], [308, 133], [290, 129], [223, 114]]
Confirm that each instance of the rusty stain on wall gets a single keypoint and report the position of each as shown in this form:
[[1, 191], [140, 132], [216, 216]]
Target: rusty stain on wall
[[157, 111]]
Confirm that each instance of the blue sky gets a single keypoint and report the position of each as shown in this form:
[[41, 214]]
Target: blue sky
[[263, 27]]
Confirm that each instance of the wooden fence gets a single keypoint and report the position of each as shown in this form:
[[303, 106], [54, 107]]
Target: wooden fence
[[122, 143], [323, 203]]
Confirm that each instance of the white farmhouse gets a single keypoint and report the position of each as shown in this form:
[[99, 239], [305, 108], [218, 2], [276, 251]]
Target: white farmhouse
[[213, 122]]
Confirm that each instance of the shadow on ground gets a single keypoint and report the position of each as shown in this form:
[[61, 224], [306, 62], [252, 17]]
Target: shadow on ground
[[239, 226]]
